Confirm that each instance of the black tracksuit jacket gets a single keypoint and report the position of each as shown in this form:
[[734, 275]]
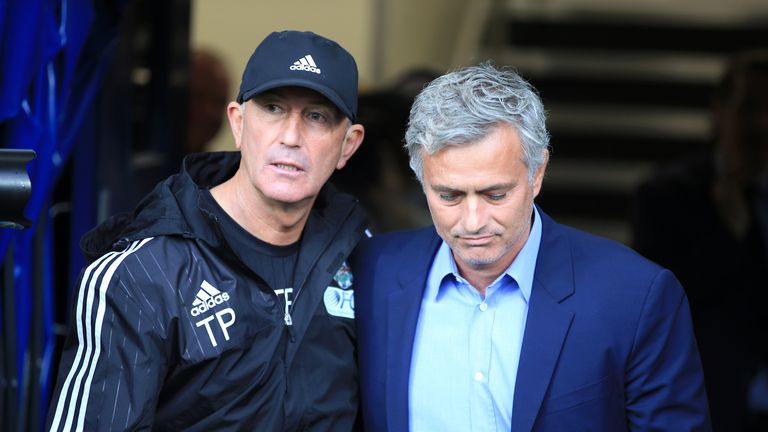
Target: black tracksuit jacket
[[172, 331]]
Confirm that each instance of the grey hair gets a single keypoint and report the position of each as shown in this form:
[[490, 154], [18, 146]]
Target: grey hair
[[463, 106]]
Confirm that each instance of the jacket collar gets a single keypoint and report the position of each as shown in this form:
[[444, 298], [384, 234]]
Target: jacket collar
[[547, 324], [546, 328], [403, 305], [174, 207]]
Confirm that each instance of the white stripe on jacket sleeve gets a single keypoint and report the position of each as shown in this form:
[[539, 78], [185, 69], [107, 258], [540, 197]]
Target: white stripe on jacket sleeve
[[87, 362]]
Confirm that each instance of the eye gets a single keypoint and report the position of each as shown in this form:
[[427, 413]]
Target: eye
[[317, 116], [272, 108], [448, 197], [496, 196]]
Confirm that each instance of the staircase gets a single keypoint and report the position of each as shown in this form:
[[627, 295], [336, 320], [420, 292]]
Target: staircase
[[626, 87]]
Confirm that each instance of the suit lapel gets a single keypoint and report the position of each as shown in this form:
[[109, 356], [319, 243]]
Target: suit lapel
[[546, 326], [403, 306]]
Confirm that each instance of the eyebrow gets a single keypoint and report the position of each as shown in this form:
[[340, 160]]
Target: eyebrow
[[493, 187], [499, 186], [442, 188], [315, 102]]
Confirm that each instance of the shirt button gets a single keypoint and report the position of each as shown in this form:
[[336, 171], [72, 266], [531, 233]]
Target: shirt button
[[483, 306], [479, 376]]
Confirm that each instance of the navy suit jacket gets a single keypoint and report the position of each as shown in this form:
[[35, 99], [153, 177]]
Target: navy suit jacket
[[608, 342]]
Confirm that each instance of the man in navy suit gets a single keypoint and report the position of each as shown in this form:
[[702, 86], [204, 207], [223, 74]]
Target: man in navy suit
[[498, 318]]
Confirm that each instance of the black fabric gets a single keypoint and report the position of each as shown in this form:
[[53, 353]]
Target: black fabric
[[275, 264], [191, 338]]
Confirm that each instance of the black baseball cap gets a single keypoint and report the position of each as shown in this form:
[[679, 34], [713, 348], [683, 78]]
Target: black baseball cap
[[303, 59]]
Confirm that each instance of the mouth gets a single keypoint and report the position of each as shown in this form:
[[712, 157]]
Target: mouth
[[477, 240], [287, 167]]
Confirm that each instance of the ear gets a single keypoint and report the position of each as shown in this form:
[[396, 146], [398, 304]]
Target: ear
[[235, 116], [538, 178], [352, 140]]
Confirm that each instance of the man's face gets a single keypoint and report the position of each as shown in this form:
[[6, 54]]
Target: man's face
[[480, 199], [291, 140]]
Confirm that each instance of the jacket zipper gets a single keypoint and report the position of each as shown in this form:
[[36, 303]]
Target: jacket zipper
[[287, 318], [287, 311]]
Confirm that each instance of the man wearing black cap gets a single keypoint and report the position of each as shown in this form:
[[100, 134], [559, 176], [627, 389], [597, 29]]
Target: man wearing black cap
[[224, 302]]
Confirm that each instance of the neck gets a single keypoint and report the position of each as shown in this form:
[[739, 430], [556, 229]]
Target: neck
[[481, 278], [268, 220]]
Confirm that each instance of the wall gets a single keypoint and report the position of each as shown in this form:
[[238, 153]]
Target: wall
[[386, 37], [235, 27], [420, 34]]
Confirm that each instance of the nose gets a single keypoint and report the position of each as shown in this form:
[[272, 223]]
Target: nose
[[290, 135], [475, 215]]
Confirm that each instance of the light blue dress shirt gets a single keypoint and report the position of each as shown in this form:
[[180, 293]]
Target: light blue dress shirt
[[467, 348]]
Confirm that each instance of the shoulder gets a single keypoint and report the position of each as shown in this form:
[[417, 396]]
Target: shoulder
[[158, 252], [608, 283], [125, 268], [394, 247], [380, 259], [595, 261], [397, 241], [145, 268], [586, 247], [123, 255]]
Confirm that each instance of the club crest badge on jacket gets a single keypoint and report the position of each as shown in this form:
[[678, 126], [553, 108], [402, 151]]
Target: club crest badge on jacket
[[340, 301]]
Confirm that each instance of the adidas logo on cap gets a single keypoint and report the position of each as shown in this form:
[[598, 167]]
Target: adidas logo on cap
[[306, 63], [207, 298]]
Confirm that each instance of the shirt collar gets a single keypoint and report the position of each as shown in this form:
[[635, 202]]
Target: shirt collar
[[521, 270]]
